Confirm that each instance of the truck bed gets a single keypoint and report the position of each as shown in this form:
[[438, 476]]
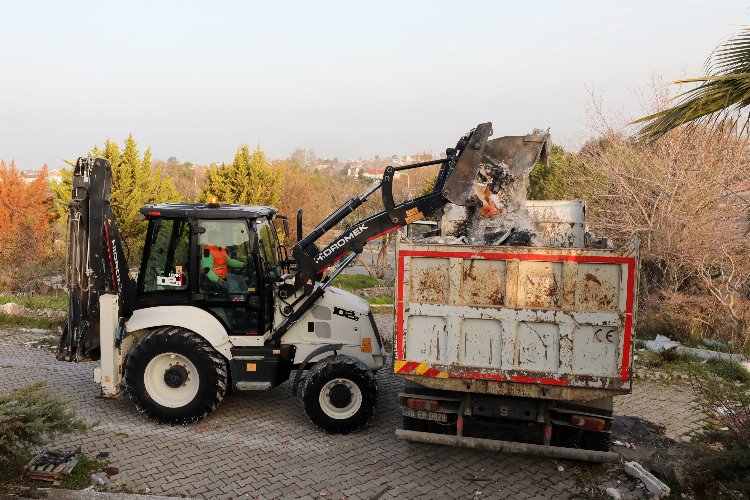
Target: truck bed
[[553, 323]]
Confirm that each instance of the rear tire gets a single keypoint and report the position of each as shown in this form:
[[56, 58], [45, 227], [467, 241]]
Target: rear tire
[[340, 394], [175, 377]]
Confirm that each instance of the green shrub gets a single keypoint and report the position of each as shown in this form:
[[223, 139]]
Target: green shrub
[[352, 282], [31, 417], [730, 371], [381, 299]]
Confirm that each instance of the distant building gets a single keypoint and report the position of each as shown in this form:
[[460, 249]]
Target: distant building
[[55, 175], [372, 173], [377, 173], [28, 176], [351, 171]]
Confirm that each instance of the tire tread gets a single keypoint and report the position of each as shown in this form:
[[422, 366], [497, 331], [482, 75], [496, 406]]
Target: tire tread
[[209, 360], [335, 367]]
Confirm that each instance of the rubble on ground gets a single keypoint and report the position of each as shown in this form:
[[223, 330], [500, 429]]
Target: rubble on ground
[[13, 309], [654, 486], [663, 343], [374, 291]]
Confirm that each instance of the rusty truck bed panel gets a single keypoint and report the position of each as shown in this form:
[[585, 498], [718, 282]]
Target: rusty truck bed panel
[[560, 319]]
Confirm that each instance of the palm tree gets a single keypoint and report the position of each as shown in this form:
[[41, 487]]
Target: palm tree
[[722, 94]]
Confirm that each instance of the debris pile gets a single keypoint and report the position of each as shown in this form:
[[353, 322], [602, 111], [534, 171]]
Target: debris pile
[[498, 215], [654, 486], [14, 309]]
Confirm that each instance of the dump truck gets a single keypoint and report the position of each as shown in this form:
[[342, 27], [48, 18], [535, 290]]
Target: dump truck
[[516, 348]]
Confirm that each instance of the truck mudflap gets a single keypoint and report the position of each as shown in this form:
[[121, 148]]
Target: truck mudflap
[[509, 446]]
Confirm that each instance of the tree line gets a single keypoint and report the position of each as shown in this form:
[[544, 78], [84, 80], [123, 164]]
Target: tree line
[[687, 196]]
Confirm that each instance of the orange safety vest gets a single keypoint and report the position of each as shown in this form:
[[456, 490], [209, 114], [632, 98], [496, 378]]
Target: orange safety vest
[[220, 260]]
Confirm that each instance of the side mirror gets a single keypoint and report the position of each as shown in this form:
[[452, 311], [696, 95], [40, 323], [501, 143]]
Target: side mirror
[[285, 225]]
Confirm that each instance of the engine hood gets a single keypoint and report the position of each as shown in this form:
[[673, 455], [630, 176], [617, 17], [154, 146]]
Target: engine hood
[[341, 298]]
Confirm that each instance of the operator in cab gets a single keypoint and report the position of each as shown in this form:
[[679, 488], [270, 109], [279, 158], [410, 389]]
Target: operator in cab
[[216, 262]]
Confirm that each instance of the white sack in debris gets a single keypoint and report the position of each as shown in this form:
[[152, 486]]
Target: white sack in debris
[[661, 343]]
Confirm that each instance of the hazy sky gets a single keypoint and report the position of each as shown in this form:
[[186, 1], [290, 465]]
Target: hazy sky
[[345, 78]]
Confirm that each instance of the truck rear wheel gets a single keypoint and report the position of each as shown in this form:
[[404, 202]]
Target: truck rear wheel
[[340, 394], [175, 377]]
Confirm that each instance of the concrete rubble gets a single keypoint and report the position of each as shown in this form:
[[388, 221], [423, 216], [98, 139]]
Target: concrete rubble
[[654, 486], [614, 493], [13, 309], [663, 343], [493, 208]]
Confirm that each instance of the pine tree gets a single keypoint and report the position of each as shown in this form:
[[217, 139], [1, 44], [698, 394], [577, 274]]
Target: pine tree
[[249, 180], [551, 181], [215, 184], [61, 195]]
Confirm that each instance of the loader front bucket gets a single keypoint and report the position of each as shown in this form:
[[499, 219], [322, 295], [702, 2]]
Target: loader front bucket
[[460, 183], [484, 163]]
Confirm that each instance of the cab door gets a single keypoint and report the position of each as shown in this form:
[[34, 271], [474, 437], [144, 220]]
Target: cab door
[[164, 278], [270, 265], [226, 264]]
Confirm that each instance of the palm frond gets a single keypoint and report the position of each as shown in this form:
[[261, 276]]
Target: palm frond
[[722, 94]]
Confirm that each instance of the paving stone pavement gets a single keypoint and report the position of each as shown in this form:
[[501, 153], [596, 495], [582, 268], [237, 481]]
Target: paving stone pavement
[[669, 405], [260, 444]]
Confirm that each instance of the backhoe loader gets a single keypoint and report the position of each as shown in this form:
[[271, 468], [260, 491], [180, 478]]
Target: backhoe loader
[[218, 304]]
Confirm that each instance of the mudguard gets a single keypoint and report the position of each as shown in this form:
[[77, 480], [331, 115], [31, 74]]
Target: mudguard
[[188, 317]]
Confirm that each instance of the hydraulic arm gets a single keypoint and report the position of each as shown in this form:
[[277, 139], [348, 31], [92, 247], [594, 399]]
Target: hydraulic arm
[[456, 174], [96, 263]]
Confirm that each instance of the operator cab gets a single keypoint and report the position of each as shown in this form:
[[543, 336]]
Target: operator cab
[[221, 258]]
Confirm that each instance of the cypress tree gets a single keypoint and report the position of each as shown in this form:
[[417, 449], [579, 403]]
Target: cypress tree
[[249, 180], [135, 183]]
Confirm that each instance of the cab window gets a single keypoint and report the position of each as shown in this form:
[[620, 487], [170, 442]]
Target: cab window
[[228, 279], [268, 240], [168, 248], [226, 265]]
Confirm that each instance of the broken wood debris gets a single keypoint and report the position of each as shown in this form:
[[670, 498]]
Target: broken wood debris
[[49, 465]]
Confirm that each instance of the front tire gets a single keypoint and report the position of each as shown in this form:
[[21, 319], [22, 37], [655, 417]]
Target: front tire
[[175, 377], [340, 394]]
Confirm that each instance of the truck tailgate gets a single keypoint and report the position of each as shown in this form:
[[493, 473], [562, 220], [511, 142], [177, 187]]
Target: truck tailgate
[[523, 321]]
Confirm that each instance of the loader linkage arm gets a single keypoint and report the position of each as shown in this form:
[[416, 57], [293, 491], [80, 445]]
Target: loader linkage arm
[[457, 172]]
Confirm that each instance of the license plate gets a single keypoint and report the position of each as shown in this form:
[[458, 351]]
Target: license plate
[[426, 415]]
